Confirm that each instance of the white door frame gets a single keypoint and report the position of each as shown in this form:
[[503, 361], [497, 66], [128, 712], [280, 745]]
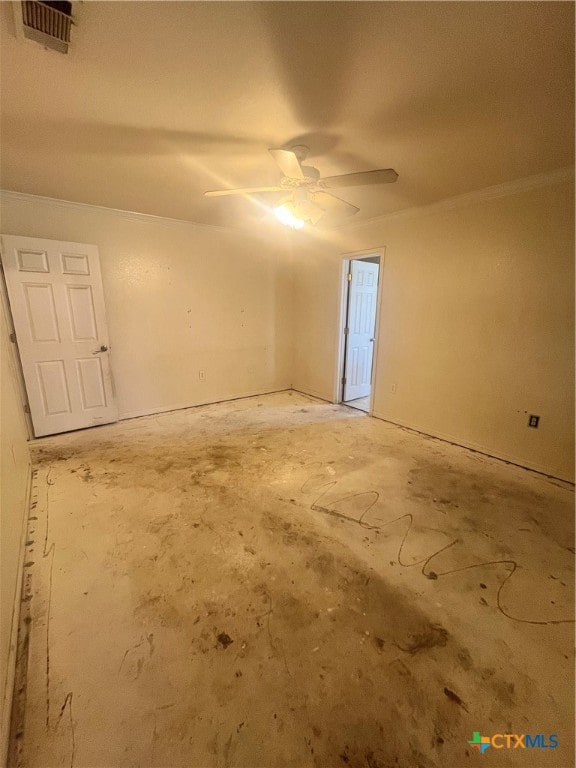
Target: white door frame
[[338, 391]]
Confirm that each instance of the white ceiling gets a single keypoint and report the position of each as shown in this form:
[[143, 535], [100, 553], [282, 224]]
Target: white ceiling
[[159, 101]]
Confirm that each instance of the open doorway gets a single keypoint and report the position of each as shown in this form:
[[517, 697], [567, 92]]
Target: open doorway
[[361, 280]]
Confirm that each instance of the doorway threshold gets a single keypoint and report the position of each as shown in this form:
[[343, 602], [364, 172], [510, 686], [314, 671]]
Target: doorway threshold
[[360, 404]]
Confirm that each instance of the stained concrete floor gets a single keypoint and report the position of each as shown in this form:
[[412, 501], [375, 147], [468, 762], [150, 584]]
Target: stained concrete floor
[[282, 582]]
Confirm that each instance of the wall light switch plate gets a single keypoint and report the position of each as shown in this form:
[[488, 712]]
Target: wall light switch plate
[[533, 421]]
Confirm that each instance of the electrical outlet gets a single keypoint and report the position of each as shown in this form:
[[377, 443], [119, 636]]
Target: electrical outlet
[[393, 388], [202, 375], [533, 421]]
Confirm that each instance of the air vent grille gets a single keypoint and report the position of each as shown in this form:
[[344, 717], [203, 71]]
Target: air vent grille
[[40, 19]]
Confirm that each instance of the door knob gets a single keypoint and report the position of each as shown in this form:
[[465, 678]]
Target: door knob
[[103, 348]]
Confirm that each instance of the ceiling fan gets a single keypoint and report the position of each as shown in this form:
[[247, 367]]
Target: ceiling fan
[[307, 199]]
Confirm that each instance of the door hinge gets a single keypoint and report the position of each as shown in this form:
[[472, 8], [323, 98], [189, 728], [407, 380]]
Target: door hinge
[[26, 408], [344, 381], [12, 337], [346, 331], [349, 276]]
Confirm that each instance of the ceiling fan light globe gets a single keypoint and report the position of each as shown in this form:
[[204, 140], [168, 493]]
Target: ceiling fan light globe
[[285, 215]]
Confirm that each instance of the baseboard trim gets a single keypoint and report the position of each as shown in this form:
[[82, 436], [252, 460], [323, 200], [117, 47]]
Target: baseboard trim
[[184, 406], [8, 693], [313, 393], [476, 448]]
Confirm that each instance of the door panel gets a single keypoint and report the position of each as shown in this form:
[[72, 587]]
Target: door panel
[[40, 312], [81, 309], [54, 387], [57, 303], [363, 289], [90, 379]]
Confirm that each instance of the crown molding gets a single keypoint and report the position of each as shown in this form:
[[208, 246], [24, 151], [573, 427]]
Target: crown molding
[[460, 201], [7, 194]]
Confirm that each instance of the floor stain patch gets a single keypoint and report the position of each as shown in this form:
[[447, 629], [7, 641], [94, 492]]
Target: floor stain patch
[[224, 639]]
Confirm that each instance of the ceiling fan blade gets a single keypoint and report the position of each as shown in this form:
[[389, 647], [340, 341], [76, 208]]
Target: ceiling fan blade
[[288, 163], [243, 191], [332, 204], [381, 176]]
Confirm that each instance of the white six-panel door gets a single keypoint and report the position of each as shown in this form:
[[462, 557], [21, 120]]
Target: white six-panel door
[[57, 304], [363, 290]]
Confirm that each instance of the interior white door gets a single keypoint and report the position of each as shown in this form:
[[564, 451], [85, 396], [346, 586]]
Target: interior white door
[[361, 322], [57, 303]]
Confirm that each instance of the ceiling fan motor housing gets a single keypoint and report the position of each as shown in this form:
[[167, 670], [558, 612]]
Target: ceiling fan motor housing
[[311, 174]]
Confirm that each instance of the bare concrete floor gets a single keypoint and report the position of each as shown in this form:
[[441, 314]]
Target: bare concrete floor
[[281, 582], [361, 404]]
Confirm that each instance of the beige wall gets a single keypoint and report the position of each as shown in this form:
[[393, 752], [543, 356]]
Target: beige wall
[[476, 326], [15, 476], [179, 298]]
